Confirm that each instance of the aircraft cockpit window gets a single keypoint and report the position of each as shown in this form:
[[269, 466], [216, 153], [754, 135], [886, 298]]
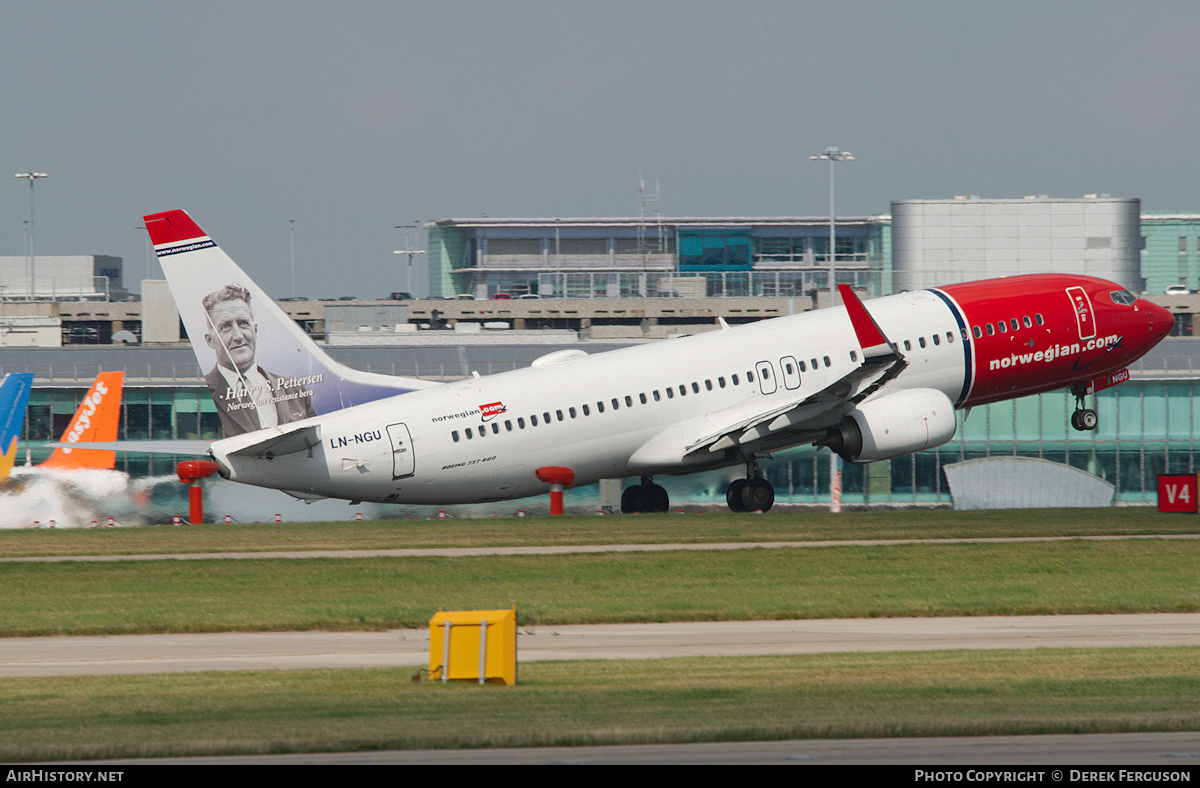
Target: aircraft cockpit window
[[1122, 297]]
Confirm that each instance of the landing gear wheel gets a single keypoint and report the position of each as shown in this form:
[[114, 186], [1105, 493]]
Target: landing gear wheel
[[1085, 419], [629, 499], [655, 499], [647, 497], [758, 495], [733, 495]]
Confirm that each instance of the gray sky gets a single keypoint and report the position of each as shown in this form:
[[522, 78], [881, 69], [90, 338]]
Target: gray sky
[[351, 117]]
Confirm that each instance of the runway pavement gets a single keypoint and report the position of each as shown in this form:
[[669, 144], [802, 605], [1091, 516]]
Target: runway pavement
[[126, 654]]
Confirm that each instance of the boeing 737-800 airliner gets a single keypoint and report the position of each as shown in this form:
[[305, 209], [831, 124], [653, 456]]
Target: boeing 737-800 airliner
[[870, 382]]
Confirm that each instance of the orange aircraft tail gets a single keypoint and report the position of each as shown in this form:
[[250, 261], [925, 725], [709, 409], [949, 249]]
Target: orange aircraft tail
[[96, 420]]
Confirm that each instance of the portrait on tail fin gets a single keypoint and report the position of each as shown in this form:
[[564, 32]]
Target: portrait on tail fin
[[247, 396]]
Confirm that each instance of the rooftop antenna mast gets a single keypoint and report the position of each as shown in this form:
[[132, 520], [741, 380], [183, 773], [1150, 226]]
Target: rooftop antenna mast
[[646, 247]]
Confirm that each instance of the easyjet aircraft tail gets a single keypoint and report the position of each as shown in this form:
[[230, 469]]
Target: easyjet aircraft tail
[[14, 397], [95, 420], [261, 368]]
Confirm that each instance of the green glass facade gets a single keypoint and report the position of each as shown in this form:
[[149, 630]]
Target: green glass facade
[[1170, 251], [1147, 427], [167, 413]]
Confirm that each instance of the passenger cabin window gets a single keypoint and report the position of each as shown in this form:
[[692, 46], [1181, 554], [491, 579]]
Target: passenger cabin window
[[1041, 321], [1002, 326], [977, 332], [990, 329], [826, 360]]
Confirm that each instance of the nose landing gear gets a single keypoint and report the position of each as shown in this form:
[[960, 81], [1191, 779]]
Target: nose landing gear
[[1083, 419]]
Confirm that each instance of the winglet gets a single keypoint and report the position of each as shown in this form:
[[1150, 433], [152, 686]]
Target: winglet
[[870, 335]]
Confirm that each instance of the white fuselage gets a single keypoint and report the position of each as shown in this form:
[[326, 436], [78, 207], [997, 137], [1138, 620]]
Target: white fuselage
[[629, 412]]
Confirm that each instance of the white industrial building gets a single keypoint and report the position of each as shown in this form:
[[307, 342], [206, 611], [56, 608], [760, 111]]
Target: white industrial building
[[80, 277], [936, 242]]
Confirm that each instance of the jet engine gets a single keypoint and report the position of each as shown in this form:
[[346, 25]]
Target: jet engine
[[893, 425]]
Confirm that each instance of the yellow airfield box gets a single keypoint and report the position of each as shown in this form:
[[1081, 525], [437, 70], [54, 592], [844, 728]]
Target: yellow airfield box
[[474, 645]]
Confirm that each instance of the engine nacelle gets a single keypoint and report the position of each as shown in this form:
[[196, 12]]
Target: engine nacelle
[[893, 425]]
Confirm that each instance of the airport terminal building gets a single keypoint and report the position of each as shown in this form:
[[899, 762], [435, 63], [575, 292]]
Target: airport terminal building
[[1147, 425]]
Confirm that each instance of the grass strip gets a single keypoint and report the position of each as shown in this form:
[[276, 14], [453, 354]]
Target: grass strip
[[952, 693], [789, 525], [827, 582]]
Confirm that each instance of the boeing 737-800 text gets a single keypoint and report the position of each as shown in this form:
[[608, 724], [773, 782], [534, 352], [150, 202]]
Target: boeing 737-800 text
[[870, 382]]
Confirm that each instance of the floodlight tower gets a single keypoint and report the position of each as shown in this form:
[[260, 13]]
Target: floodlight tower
[[31, 176], [409, 243], [833, 156]]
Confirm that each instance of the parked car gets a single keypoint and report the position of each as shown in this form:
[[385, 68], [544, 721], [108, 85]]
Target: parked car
[[502, 297], [1177, 290]]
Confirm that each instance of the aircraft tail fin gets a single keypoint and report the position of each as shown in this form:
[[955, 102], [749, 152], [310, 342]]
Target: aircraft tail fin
[[96, 420], [14, 397], [260, 366]]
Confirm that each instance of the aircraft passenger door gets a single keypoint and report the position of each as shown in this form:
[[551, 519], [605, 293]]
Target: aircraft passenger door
[[790, 369], [766, 377], [1084, 315], [403, 461]]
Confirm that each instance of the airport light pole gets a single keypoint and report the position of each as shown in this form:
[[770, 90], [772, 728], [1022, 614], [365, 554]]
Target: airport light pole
[[292, 231], [31, 176], [409, 250], [833, 156]]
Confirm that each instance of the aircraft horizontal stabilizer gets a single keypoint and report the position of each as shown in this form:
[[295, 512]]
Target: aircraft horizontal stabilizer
[[278, 441]]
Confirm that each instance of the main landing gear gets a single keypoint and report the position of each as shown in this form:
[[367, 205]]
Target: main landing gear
[[752, 494], [1083, 419], [646, 497]]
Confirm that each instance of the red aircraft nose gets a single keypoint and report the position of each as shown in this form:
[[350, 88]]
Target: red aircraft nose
[[1160, 320]]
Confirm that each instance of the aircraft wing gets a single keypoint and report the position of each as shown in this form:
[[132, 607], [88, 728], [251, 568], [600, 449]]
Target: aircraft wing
[[881, 362]]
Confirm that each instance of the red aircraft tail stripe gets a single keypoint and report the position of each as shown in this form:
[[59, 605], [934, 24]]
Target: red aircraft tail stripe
[[172, 227]]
